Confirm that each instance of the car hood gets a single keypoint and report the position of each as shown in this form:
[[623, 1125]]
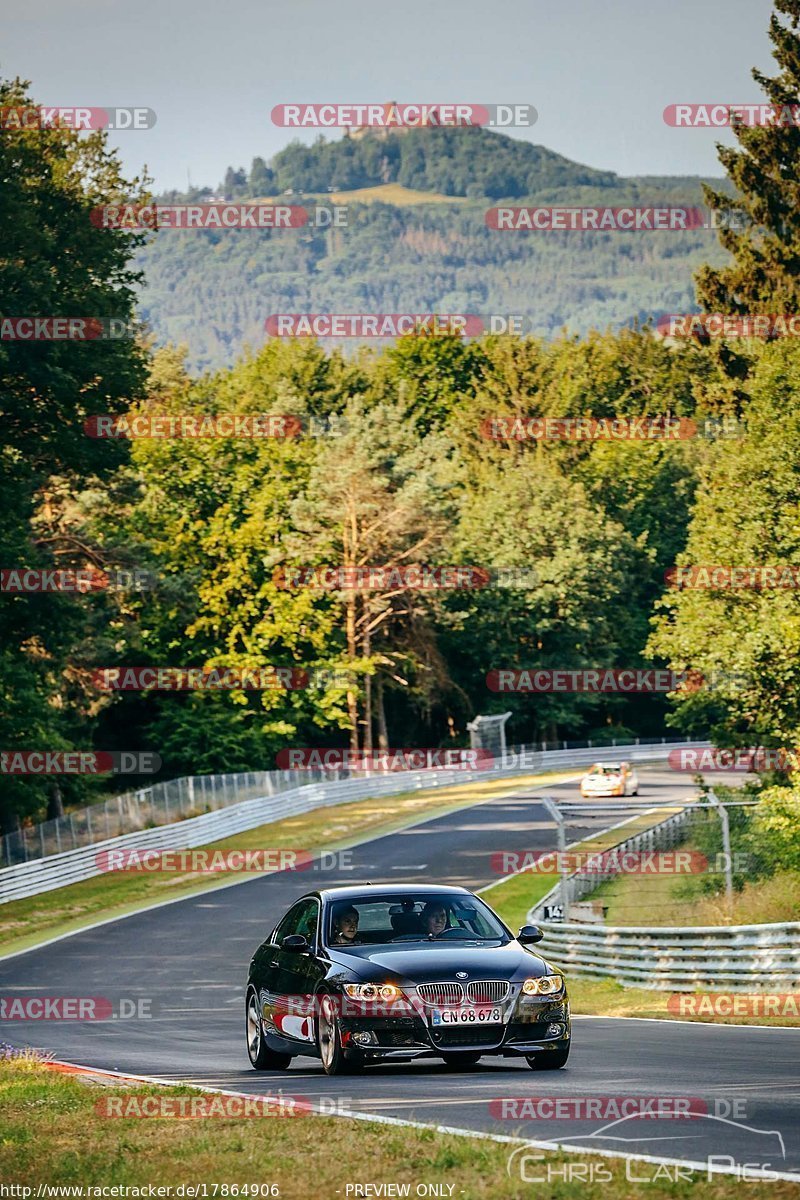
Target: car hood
[[426, 961]]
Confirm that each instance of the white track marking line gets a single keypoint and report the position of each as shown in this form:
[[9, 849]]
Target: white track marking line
[[683, 1023]]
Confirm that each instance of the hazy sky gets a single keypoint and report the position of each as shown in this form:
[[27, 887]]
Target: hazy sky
[[599, 72]]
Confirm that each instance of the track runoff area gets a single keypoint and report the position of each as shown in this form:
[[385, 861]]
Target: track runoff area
[[662, 1094]]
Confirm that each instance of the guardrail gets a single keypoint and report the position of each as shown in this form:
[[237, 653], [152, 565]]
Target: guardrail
[[45, 874], [177, 799], [58, 870], [664, 835], [728, 958]]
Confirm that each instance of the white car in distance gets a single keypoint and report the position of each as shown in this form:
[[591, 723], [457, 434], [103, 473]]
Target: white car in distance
[[609, 779]]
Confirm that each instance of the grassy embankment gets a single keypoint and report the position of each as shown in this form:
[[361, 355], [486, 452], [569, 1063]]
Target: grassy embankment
[[656, 900], [51, 1133]]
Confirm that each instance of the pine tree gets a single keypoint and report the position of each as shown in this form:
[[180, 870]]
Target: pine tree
[[261, 178], [761, 226]]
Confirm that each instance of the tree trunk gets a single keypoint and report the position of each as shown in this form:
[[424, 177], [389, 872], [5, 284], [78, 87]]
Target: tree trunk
[[352, 697], [9, 820], [367, 692], [383, 732], [55, 802]]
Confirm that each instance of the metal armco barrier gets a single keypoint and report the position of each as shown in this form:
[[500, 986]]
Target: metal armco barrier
[[44, 874], [189, 796], [58, 870], [723, 958], [662, 836]]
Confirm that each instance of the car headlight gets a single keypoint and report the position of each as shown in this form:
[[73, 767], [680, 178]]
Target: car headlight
[[372, 991], [545, 985]]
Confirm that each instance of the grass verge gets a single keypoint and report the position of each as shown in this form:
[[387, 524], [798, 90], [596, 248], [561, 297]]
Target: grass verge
[[25, 923], [604, 997], [649, 900], [51, 1133], [673, 900], [511, 898]]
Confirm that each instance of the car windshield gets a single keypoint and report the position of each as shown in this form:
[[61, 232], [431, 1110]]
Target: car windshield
[[417, 917], [605, 769]]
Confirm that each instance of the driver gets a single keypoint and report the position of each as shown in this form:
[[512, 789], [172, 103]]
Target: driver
[[434, 918], [345, 927]]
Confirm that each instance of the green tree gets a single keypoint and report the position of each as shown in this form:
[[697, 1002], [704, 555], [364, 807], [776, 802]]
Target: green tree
[[212, 518], [262, 179], [571, 610], [745, 642], [380, 496], [759, 226], [54, 262]]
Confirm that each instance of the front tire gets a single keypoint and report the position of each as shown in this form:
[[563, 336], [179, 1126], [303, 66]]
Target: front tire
[[335, 1059], [259, 1053], [549, 1060]]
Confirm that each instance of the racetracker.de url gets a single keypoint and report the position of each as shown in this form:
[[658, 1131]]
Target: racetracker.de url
[[183, 1191]]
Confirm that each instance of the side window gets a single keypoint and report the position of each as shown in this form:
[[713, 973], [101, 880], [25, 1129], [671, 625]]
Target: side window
[[301, 918], [307, 924]]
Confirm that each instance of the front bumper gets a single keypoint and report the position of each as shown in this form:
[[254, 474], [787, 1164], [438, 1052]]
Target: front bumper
[[529, 1024]]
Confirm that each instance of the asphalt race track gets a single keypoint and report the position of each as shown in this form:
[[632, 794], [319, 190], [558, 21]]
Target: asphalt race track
[[189, 960]]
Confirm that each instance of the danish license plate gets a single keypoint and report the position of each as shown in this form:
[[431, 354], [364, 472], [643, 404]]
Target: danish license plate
[[467, 1016]]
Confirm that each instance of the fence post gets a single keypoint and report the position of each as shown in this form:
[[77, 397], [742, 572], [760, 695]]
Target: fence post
[[72, 831], [89, 825], [555, 812], [190, 791], [726, 847]]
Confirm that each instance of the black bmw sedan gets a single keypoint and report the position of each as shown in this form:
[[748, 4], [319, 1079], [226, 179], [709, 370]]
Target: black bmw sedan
[[353, 975]]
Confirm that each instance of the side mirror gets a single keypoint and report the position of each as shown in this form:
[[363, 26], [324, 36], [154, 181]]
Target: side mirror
[[295, 942], [529, 934]]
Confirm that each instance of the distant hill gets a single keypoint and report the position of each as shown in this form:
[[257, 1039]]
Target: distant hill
[[416, 241], [457, 162]]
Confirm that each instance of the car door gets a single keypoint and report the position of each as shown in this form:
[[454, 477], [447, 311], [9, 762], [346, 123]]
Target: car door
[[273, 984], [297, 973]]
